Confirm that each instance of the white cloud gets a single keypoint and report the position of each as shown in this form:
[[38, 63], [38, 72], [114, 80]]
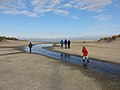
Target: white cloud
[[67, 5], [10, 4], [38, 7], [61, 12], [54, 3], [23, 12], [94, 5], [75, 17], [102, 17]]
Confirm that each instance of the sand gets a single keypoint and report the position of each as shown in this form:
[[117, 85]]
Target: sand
[[25, 71], [102, 51]]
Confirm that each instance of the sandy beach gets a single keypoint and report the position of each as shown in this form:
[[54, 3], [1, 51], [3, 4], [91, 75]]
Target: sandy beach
[[102, 51], [25, 71]]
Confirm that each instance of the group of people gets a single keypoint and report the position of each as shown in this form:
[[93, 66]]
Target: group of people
[[66, 43], [84, 50]]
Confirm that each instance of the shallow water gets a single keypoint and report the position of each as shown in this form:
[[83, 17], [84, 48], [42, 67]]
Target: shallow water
[[103, 68]]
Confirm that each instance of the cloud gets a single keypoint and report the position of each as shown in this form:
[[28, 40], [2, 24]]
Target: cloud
[[102, 17], [61, 12], [15, 7], [67, 6], [62, 7], [75, 17], [23, 12], [10, 4], [95, 5]]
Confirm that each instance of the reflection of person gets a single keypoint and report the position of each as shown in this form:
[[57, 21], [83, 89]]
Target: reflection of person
[[30, 46], [61, 42], [69, 44], [85, 64], [85, 53], [65, 42], [61, 55], [64, 55]]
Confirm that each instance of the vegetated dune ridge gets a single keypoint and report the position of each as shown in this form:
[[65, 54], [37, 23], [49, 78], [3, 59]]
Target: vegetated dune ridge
[[102, 50]]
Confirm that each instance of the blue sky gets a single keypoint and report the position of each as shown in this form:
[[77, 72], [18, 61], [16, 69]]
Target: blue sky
[[59, 18]]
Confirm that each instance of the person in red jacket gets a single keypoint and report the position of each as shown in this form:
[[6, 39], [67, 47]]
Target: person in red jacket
[[85, 53]]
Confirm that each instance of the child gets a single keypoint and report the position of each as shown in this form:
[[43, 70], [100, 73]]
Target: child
[[85, 53]]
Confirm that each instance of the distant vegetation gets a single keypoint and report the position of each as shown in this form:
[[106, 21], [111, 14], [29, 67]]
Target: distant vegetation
[[108, 39], [7, 38]]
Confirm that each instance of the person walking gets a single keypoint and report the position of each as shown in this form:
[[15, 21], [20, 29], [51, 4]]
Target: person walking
[[85, 53], [69, 42], [61, 42], [30, 46], [65, 42]]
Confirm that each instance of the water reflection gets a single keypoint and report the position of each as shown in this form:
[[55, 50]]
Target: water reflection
[[85, 63], [98, 66], [64, 55]]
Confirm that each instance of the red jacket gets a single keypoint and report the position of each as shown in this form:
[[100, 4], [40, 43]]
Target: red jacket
[[85, 52]]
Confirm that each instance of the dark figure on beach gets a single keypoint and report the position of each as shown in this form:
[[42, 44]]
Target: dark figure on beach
[[61, 42], [30, 46], [65, 42], [85, 53], [69, 42]]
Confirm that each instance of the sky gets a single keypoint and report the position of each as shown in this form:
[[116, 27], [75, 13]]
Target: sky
[[59, 18]]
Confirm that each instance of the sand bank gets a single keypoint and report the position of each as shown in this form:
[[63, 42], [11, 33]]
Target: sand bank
[[24, 71], [101, 51]]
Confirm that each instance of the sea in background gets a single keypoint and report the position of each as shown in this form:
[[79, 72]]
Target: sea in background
[[58, 39]]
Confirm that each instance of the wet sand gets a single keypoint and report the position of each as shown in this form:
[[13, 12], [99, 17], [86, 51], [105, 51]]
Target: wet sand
[[102, 51], [25, 71]]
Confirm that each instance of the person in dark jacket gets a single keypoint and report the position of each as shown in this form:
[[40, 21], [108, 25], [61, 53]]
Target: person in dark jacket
[[69, 42], [65, 42], [61, 42], [30, 46], [85, 53]]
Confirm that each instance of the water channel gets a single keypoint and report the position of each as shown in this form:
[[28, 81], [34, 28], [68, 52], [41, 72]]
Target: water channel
[[107, 69]]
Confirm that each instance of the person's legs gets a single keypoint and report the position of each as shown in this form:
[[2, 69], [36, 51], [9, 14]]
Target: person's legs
[[69, 46], [30, 50], [83, 58], [87, 58], [65, 46], [61, 46]]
